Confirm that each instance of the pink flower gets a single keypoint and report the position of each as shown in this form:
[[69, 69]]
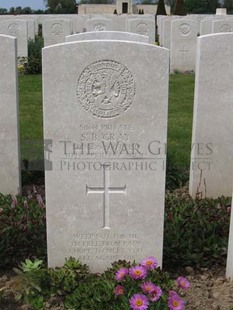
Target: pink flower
[[121, 274], [182, 283], [172, 293], [119, 290], [148, 287], [155, 294], [137, 272], [149, 262], [139, 302], [175, 302]]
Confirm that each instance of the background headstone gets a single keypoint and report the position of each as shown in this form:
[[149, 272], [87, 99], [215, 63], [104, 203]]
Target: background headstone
[[107, 35], [9, 118], [144, 27], [225, 25], [99, 24], [18, 29], [183, 45], [229, 267], [105, 193], [55, 31], [211, 172]]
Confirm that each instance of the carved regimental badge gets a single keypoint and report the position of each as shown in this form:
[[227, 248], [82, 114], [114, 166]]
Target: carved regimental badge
[[106, 89], [57, 29], [185, 29], [142, 29], [99, 27], [14, 30], [226, 28]]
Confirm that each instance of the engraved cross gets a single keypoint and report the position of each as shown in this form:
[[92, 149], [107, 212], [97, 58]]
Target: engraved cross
[[106, 190], [184, 51]]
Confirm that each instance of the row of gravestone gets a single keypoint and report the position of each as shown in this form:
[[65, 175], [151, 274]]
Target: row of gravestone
[[55, 30], [176, 33], [180, 34], [105, 116]]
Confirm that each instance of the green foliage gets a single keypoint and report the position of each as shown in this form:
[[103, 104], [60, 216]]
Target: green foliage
[[161, 8], [228, 4], [74, 287], [22, 229], [196, 231], [61, 6], [31, 265], [180, 8], [34, 63], [175, 178], [202, 6]]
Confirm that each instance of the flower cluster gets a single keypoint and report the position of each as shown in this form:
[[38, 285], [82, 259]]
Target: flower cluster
[[142, 283]]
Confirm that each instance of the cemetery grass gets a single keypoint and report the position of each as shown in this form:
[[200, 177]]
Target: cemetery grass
[[31, 116], [180, 112]]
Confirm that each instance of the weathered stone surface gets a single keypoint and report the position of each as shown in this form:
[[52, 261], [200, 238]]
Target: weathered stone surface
[[143, 26], [105, 192], [211, 172], [107, 35], [99, 24], [9, 114], [55, 31], [183, 44], [16, 28]]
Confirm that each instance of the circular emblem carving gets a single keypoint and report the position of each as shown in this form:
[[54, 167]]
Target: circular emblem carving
[[106, 89], [57, 29], [14, 29], [99, 27], [185, 29], [225, 28], [142, 29]]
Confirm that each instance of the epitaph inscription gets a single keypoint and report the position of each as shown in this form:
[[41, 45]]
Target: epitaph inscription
[[106, 89], [105, 247]]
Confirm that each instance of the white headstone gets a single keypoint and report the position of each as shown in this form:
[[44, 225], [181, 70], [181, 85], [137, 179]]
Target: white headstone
[[107, 35], [183, 45], [105, 193], [55, 31], [206, 26], [166, 37], [18, 29], [211, 172], [31, 29], [144, 27], [9, 118], [221, 11]]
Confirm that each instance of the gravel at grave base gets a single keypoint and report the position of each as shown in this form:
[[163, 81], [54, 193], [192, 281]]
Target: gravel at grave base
[[209, 291]]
